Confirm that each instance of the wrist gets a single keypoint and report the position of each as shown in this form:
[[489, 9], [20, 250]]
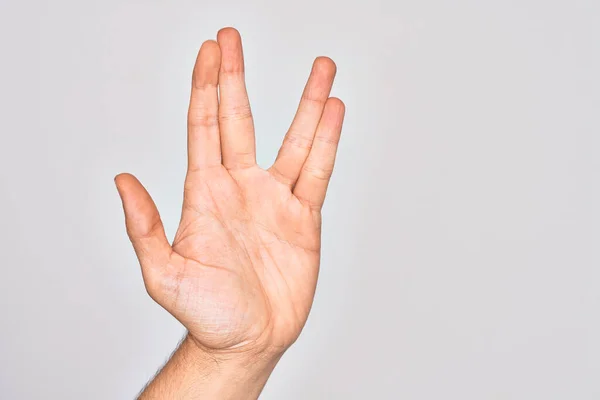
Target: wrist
[[238, 373], [194, 372]]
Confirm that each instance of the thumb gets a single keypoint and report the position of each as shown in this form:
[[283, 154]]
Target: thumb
[[144, 226]]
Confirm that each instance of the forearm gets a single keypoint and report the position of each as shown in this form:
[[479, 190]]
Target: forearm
[[193, 373]]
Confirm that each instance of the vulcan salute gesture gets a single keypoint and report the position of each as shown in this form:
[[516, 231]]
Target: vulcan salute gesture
[[241, 272]]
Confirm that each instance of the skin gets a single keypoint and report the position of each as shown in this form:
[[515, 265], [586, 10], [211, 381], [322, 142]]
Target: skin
[[241, 272]]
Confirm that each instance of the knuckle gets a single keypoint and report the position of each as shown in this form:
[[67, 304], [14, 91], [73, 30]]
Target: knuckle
[[328, 139], [202, 116], [236, 113], [319, 172], [204, 120], [310, 98], [137, 233], [294, 139]]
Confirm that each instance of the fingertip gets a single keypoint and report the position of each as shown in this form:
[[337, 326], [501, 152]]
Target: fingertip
[[325, 64], [123, 180], [210, 52], [232, 54], [121, 176], [228, 33], [132, 192], [208, 62], [337, 105], [119, 179], [209, 43]]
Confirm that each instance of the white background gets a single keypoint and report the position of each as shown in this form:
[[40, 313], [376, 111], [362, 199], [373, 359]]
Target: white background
[[461, 231]]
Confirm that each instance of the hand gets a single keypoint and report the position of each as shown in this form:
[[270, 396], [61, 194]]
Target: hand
[[241, 272]]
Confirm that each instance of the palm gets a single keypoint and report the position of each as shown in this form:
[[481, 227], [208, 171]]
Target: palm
[[247, 235], [243, 266]]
